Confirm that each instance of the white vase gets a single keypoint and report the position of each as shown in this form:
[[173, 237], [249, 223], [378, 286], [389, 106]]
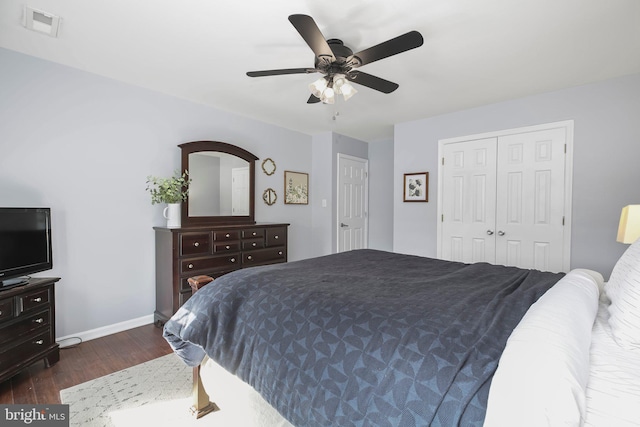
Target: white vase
[[172, 214]]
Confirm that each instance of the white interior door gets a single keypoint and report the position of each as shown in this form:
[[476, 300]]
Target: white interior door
[[469, 201], [530, 208], [240, 191], [352, 203]]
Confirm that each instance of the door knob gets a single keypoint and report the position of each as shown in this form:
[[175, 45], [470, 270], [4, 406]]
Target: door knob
[[500, 233], [489, 232], [342, 224]]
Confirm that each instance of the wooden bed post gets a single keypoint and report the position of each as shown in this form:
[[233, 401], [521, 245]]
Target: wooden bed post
[[201, 403]]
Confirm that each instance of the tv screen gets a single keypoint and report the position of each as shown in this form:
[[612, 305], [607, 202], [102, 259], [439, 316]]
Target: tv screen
[[25, 243]]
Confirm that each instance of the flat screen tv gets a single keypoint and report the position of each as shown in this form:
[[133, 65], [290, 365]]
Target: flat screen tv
[[25, 244]]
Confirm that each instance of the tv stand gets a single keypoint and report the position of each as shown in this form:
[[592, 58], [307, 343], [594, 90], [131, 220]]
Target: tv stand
[[27, 326]]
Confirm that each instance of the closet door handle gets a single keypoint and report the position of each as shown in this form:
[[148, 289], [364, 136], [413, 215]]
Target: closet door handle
[[500, 233], [490, 232]]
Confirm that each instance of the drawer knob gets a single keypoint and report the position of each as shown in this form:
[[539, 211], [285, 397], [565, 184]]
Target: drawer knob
[[39, 320], [249, 257], [254, 233], [254, 244], [190, 266], [227, 235], [279, 252], [39, 342], [227, 247], [232, 260], [37, 299], [276, 237], [196, 244]]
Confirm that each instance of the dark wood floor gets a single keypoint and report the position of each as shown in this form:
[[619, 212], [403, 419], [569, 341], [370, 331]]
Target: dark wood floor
[[91, 359]]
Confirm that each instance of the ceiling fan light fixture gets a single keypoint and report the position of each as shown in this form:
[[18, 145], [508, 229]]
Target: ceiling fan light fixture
[[339, 80], [328, 96], [347, 90], [318, 87]]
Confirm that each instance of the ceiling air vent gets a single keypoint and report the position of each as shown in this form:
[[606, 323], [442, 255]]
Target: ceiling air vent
[[40, 21]]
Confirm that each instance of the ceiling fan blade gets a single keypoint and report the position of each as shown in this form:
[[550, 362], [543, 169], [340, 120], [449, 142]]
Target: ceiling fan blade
[[313, 100], [397, 45], [372, 82], [311, 34], [280, 72]]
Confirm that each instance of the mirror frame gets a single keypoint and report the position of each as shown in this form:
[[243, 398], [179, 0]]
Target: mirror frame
[[220, 147]]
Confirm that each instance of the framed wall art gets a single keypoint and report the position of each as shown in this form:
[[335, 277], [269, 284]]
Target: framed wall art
[[416, 187], [296, 188]]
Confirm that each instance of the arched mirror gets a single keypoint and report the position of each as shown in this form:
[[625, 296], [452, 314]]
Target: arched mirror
[[222, 184]]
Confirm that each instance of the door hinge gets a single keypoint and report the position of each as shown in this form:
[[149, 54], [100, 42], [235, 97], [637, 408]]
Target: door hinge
[[442, 218], [443, 161], [562, 220], [565, 148]]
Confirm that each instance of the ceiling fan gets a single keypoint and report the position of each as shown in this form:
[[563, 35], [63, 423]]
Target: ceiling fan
[[339, 64]]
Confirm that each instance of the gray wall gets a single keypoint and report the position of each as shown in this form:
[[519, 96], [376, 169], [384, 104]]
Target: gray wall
[[380, 189], [84, 145], [606, 175]]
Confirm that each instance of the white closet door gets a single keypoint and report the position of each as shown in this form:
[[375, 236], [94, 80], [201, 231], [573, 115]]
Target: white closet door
[[530, 203], [469, 201]]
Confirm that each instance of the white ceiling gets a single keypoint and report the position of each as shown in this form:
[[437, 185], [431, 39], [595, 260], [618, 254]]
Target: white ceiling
[[475, 52]]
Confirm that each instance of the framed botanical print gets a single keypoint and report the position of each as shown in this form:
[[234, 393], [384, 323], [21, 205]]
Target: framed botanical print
[[416, 187], [296, 188]]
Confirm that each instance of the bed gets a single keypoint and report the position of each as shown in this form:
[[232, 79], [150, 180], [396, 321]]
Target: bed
[[376, 338]]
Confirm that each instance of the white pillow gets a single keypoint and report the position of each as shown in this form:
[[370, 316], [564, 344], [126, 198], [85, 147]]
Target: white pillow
[[623, 289], [543, 372]]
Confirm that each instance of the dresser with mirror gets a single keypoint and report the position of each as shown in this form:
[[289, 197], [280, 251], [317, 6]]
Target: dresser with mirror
[[219, 233]]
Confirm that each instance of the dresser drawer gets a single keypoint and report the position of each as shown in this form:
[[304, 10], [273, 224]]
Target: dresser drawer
[[252, 233], [6, 309], [252, 244], [199, 265], [28, 348], [276, 236], [264, 256], [221, 236], [25, 326], [226, 247], [194, 244], [34, 300]]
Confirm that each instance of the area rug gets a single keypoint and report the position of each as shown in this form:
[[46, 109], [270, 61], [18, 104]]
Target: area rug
[[154, 393], [158, 393]]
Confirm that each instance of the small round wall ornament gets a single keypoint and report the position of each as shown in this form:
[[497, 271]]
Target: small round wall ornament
[[268, 166], [269, 196]]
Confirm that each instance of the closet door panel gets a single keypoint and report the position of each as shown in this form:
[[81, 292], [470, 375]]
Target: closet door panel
[[530, 209], [469, 197]]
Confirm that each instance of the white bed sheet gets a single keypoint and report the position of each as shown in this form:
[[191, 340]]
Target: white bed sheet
[[613, 390]]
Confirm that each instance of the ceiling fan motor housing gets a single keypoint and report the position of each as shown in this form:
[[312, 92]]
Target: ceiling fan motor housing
[[345, 61]]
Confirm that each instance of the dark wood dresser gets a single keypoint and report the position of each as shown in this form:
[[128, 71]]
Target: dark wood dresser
[[212, 251], [27, 326]]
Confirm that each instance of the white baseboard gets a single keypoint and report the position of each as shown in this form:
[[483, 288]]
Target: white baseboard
[[107, 330]]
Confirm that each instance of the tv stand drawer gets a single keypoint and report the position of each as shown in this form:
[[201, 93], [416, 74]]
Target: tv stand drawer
[[27, 326]]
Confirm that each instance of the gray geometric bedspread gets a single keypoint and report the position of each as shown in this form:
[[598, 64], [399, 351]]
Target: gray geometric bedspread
[[361, 338]]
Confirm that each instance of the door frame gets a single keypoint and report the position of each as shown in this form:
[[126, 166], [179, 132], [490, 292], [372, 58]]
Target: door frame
[[366, 198], [568, 177]]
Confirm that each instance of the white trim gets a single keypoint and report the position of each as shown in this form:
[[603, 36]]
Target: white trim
[[366, 198], [110, 329], [568, 181]]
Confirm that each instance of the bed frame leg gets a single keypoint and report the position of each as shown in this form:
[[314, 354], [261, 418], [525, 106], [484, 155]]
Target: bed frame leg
[[201, 403]]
